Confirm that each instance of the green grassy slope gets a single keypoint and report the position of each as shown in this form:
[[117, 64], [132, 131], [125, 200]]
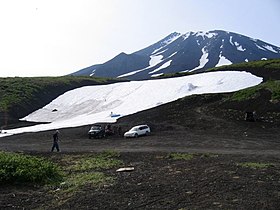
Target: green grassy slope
[[272, 86], [272, 64], [268, 69], [20, 96]]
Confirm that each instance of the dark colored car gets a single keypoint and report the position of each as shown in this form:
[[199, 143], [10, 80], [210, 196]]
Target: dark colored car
[[96, 131]]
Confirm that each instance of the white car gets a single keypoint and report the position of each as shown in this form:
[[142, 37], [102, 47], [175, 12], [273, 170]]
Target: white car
[[138, 130]]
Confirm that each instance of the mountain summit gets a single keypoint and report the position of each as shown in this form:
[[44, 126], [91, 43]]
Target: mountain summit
[[187, 52]]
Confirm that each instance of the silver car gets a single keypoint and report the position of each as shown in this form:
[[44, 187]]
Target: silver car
[[138, 130]]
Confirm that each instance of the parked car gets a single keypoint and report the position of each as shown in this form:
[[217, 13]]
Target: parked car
[[96, 131], [138, 130]]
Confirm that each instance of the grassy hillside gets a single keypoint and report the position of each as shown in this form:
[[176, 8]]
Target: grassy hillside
[[209, 111], [268, 69], [20, 96], [272, 64], [272, 86]]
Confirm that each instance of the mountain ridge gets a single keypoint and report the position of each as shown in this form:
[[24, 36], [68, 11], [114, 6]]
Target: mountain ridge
[[186, 52]]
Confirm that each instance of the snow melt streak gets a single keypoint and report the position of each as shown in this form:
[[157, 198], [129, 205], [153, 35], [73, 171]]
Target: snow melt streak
[[92, 104]]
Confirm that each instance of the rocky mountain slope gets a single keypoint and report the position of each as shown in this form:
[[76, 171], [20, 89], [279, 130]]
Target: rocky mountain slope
[[193, 51]]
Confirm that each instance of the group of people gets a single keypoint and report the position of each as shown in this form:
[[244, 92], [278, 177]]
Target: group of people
[[115, 130]]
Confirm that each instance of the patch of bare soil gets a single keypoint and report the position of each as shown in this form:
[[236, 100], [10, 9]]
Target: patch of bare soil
[[207, 181]]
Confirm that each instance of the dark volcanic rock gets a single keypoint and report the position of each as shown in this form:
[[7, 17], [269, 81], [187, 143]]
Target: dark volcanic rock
[[185, 52]]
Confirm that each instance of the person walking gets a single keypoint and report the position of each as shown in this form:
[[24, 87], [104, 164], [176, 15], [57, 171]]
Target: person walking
[[55, 141]]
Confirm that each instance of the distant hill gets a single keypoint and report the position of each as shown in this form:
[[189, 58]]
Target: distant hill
[[190, 52]]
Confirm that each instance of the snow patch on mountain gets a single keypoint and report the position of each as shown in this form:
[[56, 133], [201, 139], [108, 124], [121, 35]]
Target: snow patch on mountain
[[163, 66], [172, 55], [203, 60], [188, 87], [130, 73], [156, 75], [155, 60], [270, 49], [160, 52], [223, 61], [94, 104], [239, 46], [167, 42], [92, 73], [203, 34], [261, 48], [230, 41], [186, 35]]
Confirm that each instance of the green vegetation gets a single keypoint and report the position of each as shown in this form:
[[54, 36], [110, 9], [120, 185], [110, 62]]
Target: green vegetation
[[271, 85], [81, 170], [73, 172], [76, 181], [269, 65], [19, 168], [255, 165], [272, 64], [22, 89], [248, 93], [171, 75], [180, 156], [104, 160]]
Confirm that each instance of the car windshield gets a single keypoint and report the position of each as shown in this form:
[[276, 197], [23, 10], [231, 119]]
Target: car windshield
[[134, 129], [95, 128]]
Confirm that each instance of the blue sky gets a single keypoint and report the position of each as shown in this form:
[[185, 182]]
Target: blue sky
[[58, 37]]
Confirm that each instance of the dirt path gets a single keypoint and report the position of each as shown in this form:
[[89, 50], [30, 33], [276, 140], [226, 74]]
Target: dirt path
[[75, 140]]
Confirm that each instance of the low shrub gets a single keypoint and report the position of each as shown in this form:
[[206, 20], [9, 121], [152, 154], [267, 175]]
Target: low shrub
[[252, 92], [19, 168], [254, 165]]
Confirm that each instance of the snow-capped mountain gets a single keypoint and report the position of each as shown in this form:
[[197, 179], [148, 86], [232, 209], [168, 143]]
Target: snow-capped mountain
[[187, 52]]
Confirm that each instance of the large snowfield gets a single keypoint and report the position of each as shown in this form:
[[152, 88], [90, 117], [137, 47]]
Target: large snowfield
[[106, 103]]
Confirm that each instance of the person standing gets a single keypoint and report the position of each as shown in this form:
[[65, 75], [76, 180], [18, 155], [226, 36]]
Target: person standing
[[55, 141], [120, 131]]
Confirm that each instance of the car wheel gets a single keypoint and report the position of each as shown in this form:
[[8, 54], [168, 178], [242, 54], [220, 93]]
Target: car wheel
[[147, 133], [136, 135], [89, 136]]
